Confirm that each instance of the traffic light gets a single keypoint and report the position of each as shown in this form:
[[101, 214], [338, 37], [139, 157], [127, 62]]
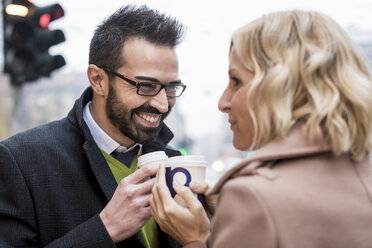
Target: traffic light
[[27, 39]]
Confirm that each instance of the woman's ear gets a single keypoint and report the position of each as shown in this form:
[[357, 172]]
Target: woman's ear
[[98, 79]]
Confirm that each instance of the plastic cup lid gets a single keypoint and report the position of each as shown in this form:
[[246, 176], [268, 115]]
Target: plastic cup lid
[[193, 160], [151, 157]]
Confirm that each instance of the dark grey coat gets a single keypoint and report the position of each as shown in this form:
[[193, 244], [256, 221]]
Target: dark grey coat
[[54, 182]]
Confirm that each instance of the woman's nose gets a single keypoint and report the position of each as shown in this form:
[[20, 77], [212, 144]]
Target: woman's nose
[[224, 102]]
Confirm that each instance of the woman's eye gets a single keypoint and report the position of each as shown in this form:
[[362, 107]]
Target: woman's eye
[[235, 81]]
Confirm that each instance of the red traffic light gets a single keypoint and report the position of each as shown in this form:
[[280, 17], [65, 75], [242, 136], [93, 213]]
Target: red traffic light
[[44, 20], [44, 15]]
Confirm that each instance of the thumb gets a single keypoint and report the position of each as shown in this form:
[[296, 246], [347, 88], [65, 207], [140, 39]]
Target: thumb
[[191, 202], [199, 187]]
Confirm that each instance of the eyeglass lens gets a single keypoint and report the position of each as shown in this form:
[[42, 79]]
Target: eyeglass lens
[[150, 89]]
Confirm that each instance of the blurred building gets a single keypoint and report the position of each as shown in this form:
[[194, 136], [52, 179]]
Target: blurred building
[[46, 100], [218, 149], [363, 38]]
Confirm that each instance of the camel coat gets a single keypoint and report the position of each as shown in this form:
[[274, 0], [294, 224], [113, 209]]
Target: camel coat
[[293, 194]]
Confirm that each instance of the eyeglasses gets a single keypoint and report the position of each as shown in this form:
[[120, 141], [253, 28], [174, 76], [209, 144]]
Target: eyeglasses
[[172, 89]]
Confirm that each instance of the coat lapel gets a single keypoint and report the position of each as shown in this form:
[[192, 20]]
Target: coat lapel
[[95, 158], [100, 168]]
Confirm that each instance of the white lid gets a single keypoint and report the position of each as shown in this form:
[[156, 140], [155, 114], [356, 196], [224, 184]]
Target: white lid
[[151, 157], [193, 160]]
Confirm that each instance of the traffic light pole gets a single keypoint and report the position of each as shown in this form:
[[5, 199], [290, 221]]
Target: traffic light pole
[[9, 96], [9, 100]]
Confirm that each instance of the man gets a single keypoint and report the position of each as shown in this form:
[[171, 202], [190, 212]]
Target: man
[[61, 184]]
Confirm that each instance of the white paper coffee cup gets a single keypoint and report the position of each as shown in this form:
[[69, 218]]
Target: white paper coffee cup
[[184, 169], [152, 159]]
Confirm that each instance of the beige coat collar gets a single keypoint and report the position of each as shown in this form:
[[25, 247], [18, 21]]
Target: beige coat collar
[[293, 145]]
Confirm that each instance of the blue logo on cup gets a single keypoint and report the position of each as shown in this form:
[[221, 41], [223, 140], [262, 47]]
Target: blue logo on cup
[[170, 173]]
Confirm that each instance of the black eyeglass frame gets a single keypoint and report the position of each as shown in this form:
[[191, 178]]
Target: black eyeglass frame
[[139, 84]]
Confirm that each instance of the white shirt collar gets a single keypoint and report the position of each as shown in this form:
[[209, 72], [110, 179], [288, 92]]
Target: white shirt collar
[[102, 139]]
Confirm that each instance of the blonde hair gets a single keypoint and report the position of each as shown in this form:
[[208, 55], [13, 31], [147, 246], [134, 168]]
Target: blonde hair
[[308, 73]]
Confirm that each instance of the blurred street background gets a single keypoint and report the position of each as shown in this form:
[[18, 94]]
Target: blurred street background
[[42, 95]]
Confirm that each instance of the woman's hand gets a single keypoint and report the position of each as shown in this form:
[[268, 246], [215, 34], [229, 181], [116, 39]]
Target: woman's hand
[[185, 224]]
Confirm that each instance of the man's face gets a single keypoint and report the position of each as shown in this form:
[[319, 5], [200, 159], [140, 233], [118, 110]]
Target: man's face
[[140, 117]]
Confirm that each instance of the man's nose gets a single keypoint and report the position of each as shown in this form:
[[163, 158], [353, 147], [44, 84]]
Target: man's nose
[[160, 101]]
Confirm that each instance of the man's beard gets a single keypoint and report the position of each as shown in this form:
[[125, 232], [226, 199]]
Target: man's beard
[[122, 117]]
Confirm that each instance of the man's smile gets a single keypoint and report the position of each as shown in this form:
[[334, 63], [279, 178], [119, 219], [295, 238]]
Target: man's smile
[[149, 119]]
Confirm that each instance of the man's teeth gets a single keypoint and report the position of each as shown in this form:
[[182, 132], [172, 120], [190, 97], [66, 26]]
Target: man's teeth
[[149, 118]]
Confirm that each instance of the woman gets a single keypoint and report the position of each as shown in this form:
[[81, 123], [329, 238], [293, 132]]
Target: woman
[[300, 94]]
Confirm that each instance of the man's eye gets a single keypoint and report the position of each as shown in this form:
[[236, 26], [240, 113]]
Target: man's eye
[[148, 87], [175, 87]]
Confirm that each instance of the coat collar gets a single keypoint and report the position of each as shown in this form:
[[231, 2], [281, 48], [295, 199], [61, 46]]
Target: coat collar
[[292, 146]]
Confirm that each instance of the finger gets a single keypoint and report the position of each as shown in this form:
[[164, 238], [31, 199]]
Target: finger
[[162, 190], [199, 187], [156, 216], [154, 166], [154, 195], [155, 204], [161, 197], [160, 177], [191, 202], [143, 200], [133, 191], [140, 175], [145, 187], [154, 200], [147, 211], [154, 209]]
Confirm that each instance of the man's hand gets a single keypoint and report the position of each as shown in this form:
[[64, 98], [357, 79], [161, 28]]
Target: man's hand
[[129, 209]]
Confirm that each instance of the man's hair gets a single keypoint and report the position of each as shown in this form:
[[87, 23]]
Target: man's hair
[[308, 73], [131, 22]]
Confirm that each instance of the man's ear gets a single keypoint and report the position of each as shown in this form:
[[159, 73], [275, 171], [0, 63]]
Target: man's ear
[[98, 79]]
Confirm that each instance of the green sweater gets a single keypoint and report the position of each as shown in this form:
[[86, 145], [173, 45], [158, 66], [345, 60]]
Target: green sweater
[[149, 231]]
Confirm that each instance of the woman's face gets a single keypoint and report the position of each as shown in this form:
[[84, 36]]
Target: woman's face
[[234, 102]]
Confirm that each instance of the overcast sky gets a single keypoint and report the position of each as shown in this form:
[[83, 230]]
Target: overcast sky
[[203, 54]]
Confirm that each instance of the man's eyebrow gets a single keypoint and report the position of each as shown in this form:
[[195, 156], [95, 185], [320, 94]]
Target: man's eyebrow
[[147, 78], [156, 80], [176, 82]]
